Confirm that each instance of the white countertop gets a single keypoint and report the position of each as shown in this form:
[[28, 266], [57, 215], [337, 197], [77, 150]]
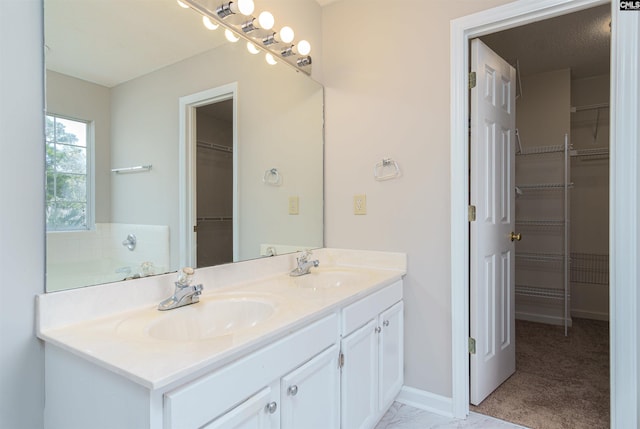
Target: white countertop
[[118, 338]]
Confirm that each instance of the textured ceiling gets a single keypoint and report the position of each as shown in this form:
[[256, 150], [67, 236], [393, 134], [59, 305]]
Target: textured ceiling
[[579, 41]]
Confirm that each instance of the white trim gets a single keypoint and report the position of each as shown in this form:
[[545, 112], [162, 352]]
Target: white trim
[[624, 212], [187, 166], [624, 193], [426, 401]]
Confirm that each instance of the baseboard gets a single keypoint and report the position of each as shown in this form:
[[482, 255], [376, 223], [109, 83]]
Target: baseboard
[[593, 315], [541, 318], [426, 401]]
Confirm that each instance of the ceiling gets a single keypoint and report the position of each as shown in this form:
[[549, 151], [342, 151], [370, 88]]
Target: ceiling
[[101, 40], [579, 41]]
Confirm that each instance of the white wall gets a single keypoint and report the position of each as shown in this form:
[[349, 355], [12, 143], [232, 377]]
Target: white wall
[[387, 95], [543, 110], [21, 212]]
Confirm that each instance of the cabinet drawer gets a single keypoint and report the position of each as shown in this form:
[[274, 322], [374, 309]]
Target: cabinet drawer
[[359, 313], [202, 400]]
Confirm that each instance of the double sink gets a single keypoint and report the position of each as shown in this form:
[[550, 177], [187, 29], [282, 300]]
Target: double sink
[[225, 313]]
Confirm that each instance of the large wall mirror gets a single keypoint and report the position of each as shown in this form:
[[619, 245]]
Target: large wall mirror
[[122, 159]]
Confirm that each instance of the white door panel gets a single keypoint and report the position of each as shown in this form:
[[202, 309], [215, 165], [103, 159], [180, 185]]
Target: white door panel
[[492, 264], [359, 383]]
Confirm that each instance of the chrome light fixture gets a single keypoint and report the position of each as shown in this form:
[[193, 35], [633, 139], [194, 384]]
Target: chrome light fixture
[[303, 61], [244, 7], [236, 17]]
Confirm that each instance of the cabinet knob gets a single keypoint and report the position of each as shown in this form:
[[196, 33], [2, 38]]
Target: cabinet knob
[[378, 329], [271, 407], [385, 323], [292, 390]]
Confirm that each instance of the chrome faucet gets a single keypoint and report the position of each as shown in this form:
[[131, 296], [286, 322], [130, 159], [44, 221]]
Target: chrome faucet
[[184, 294], [304, 264]]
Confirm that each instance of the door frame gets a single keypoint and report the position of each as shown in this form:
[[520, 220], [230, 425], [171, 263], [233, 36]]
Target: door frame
[[187, 147], [624, 203]]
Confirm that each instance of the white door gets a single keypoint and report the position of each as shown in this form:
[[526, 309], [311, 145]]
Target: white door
[[359, 381], [492, 263], [311, 394], [391, 355]]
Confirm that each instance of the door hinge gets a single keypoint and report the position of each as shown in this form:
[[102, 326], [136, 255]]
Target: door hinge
[[340, 360], [472, 213], [472, 346], [472, 80], [195, 228]]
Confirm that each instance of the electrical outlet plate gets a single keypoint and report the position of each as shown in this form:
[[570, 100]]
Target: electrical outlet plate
[[360, 204], [294, 205]]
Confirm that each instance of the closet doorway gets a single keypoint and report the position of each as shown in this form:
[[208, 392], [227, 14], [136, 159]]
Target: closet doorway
[[562, 206], [208, 173], [214, 183]]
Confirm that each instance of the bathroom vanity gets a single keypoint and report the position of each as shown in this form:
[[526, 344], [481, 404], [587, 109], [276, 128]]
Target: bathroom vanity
[[261, 349]]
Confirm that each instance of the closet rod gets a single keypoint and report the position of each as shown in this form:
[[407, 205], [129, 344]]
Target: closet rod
[[214, 218], [214, 146], [590, 107]]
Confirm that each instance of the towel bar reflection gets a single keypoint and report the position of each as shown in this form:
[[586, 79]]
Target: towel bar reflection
[[386, 169], [136, 169]]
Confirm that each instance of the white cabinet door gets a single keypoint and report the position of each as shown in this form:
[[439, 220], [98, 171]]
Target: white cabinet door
[[391, 354], [258, 412], [311, 394], [359, 390]]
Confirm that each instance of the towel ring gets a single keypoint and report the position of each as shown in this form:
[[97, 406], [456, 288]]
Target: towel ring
[[386, 169], [272, 177]]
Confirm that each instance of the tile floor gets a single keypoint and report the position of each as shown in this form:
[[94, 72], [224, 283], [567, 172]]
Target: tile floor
[[402, 416]]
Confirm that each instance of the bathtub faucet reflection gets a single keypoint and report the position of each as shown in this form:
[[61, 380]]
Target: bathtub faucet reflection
[[185, 293]]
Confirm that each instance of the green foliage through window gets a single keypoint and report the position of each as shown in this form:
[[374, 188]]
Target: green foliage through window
[[67, 173]]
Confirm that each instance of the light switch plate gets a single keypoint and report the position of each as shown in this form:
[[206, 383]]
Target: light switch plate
[[360, 204], [294, 205]]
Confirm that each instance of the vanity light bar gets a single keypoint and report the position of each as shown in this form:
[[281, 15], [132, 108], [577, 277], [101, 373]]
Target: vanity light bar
[[247, 30]]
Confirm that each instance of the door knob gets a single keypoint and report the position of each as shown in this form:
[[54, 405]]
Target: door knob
[[515, 237]]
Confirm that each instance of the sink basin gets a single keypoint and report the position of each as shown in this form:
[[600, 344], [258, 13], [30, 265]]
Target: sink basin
[[326, 278], [207, 319]]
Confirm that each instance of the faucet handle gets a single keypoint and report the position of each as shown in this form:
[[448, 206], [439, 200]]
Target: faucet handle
[[304, 256], [185, 276]]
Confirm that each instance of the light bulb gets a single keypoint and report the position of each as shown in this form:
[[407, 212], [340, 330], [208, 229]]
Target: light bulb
[[304, 47], [230, 36], [246, 7], [252, 48], [266, 20], [286, 34], [208, 23], [270, 59], [181, 4]]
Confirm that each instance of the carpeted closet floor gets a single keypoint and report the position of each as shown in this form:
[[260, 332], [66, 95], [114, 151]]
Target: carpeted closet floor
[[560, 382]]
